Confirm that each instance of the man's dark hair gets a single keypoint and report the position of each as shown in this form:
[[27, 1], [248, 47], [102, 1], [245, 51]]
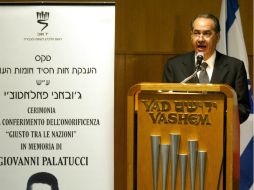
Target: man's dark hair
[[209, 16], [42, 177]]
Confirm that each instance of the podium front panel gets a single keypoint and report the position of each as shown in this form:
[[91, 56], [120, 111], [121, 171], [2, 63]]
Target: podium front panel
[[196, 120]]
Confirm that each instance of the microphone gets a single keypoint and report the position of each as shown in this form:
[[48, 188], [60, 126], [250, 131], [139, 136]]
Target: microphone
[[200, 57]]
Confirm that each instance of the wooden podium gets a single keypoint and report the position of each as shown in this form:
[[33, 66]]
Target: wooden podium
[[182, 136]]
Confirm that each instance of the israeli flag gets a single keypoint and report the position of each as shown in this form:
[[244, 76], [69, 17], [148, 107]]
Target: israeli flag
[[232, 43]]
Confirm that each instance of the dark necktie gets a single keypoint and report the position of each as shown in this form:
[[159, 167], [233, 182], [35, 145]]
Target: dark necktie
[[203, 76]]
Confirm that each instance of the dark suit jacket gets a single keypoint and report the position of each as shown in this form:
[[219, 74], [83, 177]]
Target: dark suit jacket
[[227, 70]]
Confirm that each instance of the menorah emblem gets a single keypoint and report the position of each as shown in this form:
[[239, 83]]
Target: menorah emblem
[[42, 17]]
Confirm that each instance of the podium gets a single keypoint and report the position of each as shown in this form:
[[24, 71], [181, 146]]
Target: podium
[[182, 136]]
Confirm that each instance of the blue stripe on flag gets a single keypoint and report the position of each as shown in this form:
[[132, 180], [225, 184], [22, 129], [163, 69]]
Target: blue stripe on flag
[[232, 7], [246, 167]]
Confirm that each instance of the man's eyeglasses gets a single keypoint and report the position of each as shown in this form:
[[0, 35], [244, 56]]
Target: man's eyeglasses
[[205, 34]]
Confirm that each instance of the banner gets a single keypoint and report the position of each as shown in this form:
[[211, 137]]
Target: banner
[[232, 44], [57, 96]]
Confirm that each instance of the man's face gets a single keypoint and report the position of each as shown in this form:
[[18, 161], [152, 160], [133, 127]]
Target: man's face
[[40, 186], [203, 36]]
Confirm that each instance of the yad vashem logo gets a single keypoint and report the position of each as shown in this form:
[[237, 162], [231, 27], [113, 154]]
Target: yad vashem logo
[[42, 18]]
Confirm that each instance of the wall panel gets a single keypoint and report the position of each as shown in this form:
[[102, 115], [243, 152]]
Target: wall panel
[[163, 26], [120, 122]]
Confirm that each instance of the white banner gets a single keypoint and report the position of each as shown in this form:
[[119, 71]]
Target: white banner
[[57, 97]]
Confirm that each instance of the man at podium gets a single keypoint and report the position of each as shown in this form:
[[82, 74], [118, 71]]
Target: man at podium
[[206, 65]]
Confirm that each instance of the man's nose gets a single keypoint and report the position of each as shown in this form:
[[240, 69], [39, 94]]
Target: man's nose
[[201, 37]]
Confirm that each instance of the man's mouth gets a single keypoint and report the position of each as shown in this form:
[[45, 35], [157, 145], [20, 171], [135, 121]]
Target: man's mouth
[[201, 47]]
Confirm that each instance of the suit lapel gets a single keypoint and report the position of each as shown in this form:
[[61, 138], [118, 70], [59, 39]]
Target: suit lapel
[[220, 69]]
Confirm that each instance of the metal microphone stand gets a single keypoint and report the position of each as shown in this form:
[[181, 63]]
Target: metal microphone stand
[[198, 68]]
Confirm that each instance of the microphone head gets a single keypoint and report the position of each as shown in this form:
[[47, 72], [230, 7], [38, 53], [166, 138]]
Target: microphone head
[[200, 56]]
